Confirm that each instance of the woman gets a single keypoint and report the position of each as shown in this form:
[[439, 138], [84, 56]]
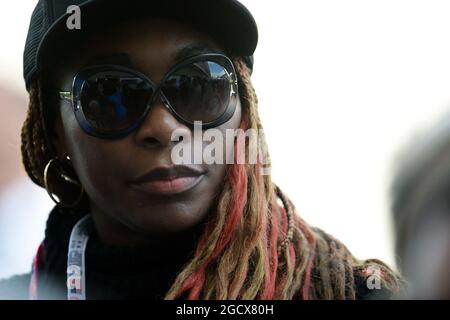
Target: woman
[[129, 222]]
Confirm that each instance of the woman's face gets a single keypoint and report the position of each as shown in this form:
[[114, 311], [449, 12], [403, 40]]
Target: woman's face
[[124, 213]]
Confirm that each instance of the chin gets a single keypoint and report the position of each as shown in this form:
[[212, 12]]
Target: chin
[[165, 220]]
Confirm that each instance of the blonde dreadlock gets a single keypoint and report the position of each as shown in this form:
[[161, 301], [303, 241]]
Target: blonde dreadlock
[[253, 247]]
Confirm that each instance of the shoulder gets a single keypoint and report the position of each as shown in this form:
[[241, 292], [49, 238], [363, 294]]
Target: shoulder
[[340, 275], [367, 288], [374, 280], [15, 288]]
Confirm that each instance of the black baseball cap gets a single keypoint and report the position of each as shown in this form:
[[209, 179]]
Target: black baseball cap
[[229, 21]]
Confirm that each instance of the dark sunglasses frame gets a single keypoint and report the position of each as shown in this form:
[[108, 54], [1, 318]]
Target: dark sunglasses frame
[[74, 96]]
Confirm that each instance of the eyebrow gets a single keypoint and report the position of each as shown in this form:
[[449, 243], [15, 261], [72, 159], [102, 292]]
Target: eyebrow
[[120, 58], [124, 59], [192, 50]]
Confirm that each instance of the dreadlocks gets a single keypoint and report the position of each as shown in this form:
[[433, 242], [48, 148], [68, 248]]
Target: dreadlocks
[[34, 149], [255, 245]]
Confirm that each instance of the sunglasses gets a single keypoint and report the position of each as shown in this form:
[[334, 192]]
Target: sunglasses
[[111, 101]]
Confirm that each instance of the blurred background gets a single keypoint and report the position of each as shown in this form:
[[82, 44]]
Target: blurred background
[[343, 86]]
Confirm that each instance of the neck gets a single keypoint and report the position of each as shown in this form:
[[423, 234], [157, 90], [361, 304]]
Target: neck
[[112, 232]]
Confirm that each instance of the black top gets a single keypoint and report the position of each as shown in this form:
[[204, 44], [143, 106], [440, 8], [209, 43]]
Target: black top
[[143, 272], [112, 272]]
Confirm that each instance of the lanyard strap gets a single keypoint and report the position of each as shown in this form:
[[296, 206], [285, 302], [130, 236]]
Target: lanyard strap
[[76, 277], [76, 273]]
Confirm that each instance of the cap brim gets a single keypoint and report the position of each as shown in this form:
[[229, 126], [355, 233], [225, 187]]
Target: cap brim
[[227, 20]]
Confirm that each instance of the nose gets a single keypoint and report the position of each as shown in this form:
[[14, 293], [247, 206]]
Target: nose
[[158, 126]]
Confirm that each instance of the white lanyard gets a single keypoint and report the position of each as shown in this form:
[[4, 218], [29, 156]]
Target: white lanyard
[[76, 272]]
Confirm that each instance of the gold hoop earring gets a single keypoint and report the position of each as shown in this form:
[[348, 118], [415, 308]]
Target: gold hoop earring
[[67, 179]]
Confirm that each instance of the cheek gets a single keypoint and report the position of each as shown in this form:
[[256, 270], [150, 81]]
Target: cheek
[[218, 171], [95, 161], [232, 125], [237, 117]]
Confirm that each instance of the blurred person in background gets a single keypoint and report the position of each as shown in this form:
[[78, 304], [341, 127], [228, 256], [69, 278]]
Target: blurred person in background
[[421, 212], [126, 224], [23, 207]]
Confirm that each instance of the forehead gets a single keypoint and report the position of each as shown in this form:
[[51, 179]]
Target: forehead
[[151, 46]]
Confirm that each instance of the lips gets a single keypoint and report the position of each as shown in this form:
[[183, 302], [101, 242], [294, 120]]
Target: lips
[[168, 180]]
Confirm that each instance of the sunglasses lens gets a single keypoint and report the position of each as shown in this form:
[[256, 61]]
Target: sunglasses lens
[[114, 101], [200, 91]]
